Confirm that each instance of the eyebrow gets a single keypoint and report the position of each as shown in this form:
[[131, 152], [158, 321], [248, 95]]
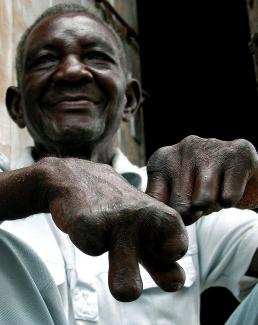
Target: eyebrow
[[99, 44], [53, 46]]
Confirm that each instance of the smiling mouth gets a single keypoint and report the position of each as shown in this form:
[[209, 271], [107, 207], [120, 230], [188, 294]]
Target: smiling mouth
[[73, 105]]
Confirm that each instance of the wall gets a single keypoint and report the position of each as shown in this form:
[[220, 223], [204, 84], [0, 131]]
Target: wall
[[252, 6], [15, 16]]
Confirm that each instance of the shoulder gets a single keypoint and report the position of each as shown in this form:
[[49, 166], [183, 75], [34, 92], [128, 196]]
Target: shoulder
[[25, 277], [228, 218], [21, 259], [228, 229]]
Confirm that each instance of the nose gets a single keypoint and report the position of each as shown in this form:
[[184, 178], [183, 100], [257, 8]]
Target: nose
[[72, 69]]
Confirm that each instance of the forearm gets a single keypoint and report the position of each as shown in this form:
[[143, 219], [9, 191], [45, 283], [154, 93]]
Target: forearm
[[19, 193]]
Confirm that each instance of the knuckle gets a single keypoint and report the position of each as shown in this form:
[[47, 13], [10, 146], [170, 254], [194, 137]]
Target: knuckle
[[242, 143], [47, 164], [181, 203], [230, 199], [191, 140], [243, 147], [89, 236], [244, 153], [104, 169], [165, 234], [107, 167], [164, 161], [154, 176], [204, 202], [155, 159], [174, 247]]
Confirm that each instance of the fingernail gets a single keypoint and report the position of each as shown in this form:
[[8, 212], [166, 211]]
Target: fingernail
[[176, 286]]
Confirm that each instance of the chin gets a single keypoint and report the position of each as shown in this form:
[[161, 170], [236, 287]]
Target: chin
[[76, 136]]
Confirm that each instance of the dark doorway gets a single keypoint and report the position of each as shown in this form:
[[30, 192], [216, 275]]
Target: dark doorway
[[197, 70]]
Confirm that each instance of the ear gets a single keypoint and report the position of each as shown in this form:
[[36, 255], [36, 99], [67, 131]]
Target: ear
[[133, 99], [14, 106]]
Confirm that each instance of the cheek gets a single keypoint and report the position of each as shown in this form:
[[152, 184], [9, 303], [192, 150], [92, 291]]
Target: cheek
[[35, 124], [33, 89], [114, 117], [113, 89], [34, 86], [116, 103], [112, 84]]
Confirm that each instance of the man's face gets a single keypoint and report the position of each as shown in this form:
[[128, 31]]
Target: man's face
[[73, 86]]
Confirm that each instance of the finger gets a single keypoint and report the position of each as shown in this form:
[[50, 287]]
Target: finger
[[168, 276], [163, 240], [158, 187], [233, 186], [162, 235], [90, 237], [124, 278], [206, 189], [181, 193]]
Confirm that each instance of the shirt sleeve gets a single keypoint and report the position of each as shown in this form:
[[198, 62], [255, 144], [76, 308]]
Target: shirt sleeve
[[227, 241]]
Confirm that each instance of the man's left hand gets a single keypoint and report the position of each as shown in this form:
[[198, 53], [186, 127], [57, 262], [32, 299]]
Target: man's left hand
[[198, 176]]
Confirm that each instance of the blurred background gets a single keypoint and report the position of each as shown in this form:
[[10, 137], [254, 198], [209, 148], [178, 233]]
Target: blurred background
[[197, 60], [198, 65]]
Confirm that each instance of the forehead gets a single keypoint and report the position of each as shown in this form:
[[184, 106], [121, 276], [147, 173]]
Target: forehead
[[71, 27]]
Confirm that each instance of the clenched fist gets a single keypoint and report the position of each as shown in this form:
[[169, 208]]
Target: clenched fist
[[198, 176]]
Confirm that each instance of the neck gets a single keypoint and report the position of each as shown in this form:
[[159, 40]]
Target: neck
[[101, 153]]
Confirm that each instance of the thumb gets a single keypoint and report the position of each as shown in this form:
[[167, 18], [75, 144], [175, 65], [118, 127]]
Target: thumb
[[158, 187]]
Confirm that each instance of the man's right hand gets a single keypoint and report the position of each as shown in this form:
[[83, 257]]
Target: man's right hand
[[101, 212]]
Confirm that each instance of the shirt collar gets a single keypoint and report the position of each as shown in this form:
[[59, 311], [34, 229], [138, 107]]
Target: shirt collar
[[25, 159], [133, 174]]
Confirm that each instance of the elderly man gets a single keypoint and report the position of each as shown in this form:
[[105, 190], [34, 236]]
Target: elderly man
[[73, 92]]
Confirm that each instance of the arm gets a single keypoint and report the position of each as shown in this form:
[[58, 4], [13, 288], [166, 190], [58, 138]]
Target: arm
[[19, 194], [101, 212]]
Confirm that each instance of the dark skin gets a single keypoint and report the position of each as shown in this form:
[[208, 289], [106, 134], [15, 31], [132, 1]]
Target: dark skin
[[74, 93]]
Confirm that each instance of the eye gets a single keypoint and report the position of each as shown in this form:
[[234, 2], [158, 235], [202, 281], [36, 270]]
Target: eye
[[98, 57], [45, 60]]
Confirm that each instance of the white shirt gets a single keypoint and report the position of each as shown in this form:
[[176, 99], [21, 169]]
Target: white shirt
[[221, 247], [29, 295]]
